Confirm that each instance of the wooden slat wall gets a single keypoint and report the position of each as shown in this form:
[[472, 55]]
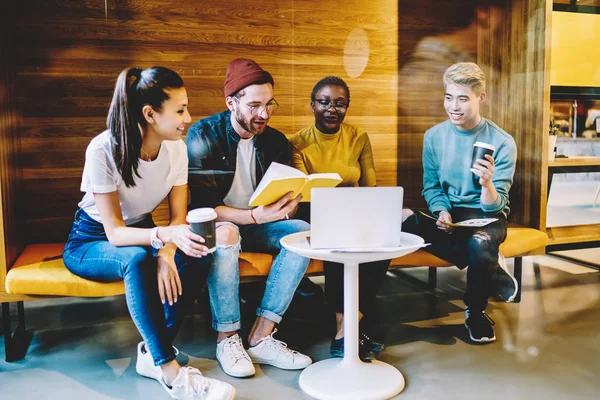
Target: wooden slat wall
[[512, 47], [69, 53], [521, 99], [433, 36], [9, 172]]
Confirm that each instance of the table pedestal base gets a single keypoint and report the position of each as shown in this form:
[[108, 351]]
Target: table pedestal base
[[333, 379]]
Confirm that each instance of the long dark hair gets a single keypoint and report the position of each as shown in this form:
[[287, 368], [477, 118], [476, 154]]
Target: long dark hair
[[136, 88]]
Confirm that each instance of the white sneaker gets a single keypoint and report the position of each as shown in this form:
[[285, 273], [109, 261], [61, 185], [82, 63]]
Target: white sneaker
[[276, 353], [190, 384], [233, 357], [145, 363]]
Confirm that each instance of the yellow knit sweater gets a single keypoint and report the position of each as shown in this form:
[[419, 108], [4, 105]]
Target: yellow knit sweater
[[347, 152]]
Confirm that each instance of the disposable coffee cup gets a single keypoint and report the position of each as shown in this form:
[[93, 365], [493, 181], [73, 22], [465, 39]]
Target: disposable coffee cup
[[480, 149], [202, 222]]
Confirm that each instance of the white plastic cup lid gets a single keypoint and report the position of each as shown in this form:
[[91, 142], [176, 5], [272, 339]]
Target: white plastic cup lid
[[201, 215], [485, 146]]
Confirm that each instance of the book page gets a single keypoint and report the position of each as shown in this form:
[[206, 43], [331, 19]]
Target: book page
[[319, 181], [276, 189], [275, 171], [333, 175], [468, 223], [476, 222]]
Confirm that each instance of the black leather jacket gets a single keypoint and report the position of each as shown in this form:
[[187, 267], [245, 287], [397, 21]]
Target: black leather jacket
[[212, 149]]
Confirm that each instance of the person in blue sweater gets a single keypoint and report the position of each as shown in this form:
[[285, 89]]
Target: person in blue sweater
[[456, 191]]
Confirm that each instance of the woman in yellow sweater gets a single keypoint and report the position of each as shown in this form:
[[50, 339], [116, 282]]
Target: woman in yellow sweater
[[333, 146]]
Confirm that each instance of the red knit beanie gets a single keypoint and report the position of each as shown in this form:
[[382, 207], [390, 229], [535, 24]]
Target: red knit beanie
[[243, 72]]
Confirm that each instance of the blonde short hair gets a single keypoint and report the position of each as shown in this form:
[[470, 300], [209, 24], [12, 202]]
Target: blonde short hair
[[467, 74]]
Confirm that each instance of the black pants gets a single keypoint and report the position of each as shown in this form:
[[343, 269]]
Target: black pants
[[476, 248], [370, 277]]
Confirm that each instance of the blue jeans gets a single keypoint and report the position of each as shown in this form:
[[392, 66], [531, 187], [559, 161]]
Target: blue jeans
[[286, 273], [90, 255]]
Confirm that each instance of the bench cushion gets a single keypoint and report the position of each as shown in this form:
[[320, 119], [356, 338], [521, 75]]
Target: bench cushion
[[39, 270], [520, 241]]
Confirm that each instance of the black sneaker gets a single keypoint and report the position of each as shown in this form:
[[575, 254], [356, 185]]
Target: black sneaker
[[370, 344], [479, 325], [504, 283], [337, 350]]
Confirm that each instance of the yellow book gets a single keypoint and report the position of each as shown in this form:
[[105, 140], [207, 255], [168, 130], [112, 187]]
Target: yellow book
[[281, 179]]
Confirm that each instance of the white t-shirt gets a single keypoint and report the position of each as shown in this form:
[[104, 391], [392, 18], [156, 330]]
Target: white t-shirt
[[244, 179], [157, 178]]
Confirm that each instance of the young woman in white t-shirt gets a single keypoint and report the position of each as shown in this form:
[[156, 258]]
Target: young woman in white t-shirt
[[129, 170]]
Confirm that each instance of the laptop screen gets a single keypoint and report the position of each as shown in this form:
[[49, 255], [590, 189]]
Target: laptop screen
[[363, 217]]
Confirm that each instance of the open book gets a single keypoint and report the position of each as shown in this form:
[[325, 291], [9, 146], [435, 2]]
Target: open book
[[468, 223], [281, 179]]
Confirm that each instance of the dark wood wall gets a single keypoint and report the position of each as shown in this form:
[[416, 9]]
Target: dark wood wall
[[9, 145], [68, 54]]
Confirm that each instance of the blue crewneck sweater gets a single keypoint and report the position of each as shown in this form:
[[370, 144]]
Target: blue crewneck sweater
[[447, 180]]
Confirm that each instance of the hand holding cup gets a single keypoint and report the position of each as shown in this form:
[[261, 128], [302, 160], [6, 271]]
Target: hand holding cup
[[482, 163], [202, 226]]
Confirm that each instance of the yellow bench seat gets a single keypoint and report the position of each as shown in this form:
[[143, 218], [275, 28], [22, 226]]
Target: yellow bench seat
[[39, 270]]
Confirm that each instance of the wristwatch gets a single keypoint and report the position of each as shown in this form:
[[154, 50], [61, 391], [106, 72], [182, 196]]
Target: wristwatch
[[154, 240]]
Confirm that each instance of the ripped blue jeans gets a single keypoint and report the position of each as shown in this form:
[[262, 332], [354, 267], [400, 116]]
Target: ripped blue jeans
[[223, 281], [286, 273]]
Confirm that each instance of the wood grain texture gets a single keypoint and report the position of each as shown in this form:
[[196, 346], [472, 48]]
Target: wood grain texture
[[520, 98], [10, 240], [68, 56], [513, 56], [573, 234]]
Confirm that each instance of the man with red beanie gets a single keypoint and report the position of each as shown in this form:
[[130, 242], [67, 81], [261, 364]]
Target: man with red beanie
[[229, 153]]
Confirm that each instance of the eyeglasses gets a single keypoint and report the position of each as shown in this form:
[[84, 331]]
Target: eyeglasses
[[269, 108], [326, 105]]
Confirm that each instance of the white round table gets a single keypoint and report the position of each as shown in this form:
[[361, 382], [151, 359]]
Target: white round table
[[349, 378]]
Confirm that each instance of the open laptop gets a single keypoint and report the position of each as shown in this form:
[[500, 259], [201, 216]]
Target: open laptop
[[356, 219]]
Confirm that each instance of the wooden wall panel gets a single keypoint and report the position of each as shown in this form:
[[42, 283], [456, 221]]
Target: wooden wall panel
[[69, 54], [510, 44], [10, 240], [521, 99], [432, 36]]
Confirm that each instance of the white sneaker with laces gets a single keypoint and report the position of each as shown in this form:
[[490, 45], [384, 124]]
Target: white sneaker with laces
[[276, 353], [145, 363], [233, 357], [190, 384]]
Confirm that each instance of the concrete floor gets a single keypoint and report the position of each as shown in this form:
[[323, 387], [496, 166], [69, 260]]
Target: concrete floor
[[548, 345]]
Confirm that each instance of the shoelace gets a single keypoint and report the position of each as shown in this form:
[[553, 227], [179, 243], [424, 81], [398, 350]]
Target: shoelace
[[192, 384], [282, 347], [362, 338], [237, 348]]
